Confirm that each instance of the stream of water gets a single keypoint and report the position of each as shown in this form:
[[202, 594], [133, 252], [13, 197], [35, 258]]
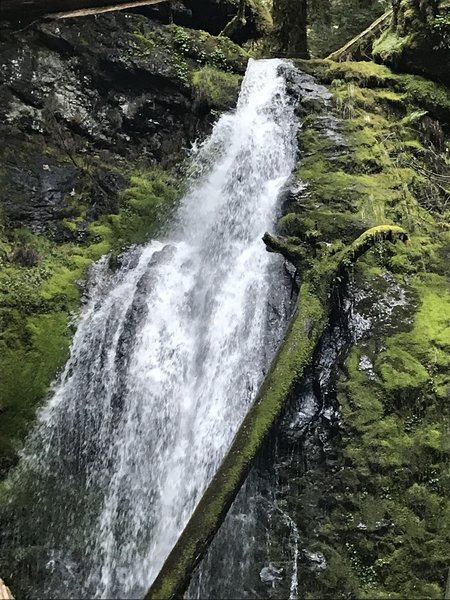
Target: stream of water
[[167, 357]]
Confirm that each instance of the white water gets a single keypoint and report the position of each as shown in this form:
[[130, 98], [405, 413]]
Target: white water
[[167, 357]]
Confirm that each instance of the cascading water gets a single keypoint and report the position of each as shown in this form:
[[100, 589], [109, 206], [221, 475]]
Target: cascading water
[[167, 357]]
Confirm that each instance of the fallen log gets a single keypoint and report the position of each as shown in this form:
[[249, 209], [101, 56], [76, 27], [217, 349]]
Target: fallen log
[[61, 9], [354, 49], [295, 354]]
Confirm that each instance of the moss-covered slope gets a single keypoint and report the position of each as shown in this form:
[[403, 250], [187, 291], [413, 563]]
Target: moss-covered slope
[[379, 512]]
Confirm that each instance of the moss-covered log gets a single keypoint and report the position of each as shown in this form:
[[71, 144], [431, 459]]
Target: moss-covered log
[[356, 48], [36, 8], [381, 233], [306, 328]]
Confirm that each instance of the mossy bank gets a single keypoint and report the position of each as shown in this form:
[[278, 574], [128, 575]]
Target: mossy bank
[[379, 513]]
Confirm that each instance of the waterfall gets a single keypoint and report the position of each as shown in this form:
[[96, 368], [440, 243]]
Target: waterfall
[[167, 357]]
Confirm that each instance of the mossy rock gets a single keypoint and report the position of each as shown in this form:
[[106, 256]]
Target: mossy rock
[[418, 39], [216, 89], [418, 91]]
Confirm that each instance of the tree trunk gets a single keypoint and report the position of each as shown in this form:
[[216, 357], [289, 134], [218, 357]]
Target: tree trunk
[[290, 21]]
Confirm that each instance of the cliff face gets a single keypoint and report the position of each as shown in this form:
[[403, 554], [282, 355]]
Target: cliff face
[[95, 113]]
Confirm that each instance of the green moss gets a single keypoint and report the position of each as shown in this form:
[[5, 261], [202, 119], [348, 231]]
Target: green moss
[[400, 371], [420, 360], [216, 89], [404, 91], [381, 514], [324, 226], [390, 46], [418, 39], [396, 437], [31, 350], [433, 97], [364, 73], [146, 208]]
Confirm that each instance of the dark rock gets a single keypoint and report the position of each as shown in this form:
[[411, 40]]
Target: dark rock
[[37, 191], [105, 192], [270, 575], [314, 561], [76, 96], [94, 78]]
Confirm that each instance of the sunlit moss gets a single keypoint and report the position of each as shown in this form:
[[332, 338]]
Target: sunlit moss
[[215, 88]]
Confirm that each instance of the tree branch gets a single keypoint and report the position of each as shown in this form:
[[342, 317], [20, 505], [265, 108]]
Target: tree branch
[[236, 22]]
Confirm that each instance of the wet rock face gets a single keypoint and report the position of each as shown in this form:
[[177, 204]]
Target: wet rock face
[[81, 93], [36, 193], [93, 76]]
